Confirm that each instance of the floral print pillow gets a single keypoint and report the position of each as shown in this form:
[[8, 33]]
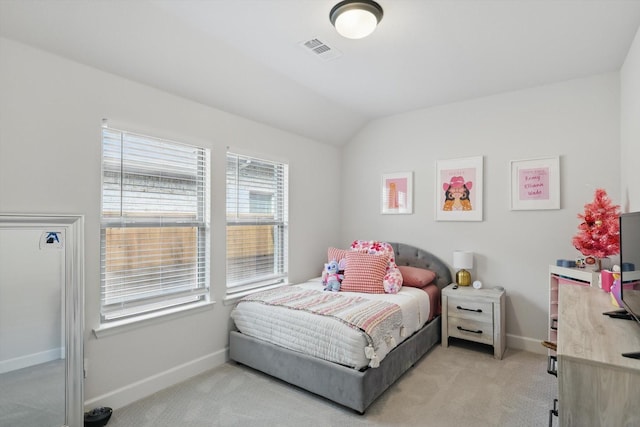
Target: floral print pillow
[[392, 281]]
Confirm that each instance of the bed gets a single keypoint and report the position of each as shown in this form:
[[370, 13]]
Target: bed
[[355, 387]]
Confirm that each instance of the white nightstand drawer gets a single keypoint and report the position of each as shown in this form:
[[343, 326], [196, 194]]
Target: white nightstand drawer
[[468, 309], [481, 332]]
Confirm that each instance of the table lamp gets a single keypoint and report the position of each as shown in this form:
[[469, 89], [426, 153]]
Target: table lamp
[[462, 261]]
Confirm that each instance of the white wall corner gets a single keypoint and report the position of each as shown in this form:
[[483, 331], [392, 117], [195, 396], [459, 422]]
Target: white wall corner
[[525, 343]]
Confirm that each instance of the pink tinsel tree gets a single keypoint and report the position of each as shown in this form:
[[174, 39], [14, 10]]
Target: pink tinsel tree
[[599, 233]]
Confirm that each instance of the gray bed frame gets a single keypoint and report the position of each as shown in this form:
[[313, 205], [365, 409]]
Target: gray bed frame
[[346, 386]]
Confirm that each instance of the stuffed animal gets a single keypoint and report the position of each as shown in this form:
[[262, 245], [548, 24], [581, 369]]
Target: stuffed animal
[[331, 277]]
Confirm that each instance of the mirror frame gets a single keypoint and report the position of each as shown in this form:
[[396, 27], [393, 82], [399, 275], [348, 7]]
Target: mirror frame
[[73, 226]]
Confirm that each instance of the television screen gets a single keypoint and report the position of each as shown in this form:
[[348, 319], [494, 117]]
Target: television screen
[[630, 265]]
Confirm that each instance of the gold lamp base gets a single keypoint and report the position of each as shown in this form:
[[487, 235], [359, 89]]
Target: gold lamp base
[[463, 278]]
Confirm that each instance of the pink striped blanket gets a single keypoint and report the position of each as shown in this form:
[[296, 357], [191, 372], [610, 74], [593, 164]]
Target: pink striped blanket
[[375, 319]]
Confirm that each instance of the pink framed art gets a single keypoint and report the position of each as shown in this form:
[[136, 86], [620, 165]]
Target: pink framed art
[[535, 184], [396, 196], [459, 189]]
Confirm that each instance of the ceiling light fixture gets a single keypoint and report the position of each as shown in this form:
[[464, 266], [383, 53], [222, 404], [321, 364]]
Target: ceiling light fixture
[[355, 19]]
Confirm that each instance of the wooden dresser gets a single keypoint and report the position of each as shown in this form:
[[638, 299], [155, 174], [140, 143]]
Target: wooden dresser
[[596, 385]]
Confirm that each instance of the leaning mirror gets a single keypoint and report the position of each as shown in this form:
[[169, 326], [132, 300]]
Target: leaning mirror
[[41, 320]]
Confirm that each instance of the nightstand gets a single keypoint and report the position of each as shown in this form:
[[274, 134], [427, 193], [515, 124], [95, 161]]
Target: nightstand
[[474, 315]]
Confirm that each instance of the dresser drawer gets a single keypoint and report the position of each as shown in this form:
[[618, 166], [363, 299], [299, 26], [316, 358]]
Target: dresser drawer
[[478, 311], [471, 330]]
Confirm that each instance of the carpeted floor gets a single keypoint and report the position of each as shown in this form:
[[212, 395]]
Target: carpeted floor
[[34, 396], [462, 385]]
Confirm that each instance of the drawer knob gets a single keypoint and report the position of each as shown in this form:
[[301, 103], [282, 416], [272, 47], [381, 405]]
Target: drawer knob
[[476, 310], [477, 331]]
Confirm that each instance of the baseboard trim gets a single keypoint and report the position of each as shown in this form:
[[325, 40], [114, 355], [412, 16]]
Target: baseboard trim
[[525, 343], [146, 387], [31, 360]]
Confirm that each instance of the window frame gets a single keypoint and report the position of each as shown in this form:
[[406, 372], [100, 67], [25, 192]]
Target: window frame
[[187, 294], [279, 220]]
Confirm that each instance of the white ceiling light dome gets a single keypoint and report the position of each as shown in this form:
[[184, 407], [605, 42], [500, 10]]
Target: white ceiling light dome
[[355, 19]]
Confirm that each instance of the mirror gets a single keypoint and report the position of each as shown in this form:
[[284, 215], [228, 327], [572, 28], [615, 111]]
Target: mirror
[[41, 320]]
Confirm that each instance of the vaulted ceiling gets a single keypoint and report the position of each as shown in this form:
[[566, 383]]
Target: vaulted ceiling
[[247, 57]]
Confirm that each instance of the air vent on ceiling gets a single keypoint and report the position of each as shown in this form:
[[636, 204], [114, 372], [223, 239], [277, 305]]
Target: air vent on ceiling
[[321, 50]]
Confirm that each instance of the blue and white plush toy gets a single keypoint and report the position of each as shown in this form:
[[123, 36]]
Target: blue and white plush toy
[[332, 279]]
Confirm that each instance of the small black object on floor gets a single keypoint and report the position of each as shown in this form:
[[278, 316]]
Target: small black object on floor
[[97, 417]]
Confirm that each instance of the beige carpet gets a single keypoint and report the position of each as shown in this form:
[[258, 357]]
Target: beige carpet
[[461, 385], [33, 396]]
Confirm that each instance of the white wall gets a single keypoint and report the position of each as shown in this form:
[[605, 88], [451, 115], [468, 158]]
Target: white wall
[[577, 120], [50, 113], [630, 127]]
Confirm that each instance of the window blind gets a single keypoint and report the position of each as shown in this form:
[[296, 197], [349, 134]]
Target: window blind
[[154, 224], [257, 222]]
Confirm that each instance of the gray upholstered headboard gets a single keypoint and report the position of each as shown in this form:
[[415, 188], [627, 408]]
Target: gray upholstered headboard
[[416, 257]]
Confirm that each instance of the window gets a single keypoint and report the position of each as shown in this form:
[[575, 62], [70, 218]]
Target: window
[[154, 225], [257, 223]]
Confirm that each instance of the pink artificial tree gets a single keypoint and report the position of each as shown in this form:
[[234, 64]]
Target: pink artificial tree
[[599, 233]]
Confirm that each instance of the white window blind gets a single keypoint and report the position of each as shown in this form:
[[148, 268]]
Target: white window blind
[[154, 226], [257, 222]]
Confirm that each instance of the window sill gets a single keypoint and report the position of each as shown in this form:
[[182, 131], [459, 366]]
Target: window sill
[[232, 298], [120, 326]]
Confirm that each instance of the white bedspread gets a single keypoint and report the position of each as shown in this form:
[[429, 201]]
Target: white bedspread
[[324, 337]]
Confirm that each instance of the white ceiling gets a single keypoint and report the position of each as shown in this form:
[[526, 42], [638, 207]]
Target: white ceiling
[[244, 56]]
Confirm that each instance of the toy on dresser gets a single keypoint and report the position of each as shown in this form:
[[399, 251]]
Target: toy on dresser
[[616, 286], [611, 282]]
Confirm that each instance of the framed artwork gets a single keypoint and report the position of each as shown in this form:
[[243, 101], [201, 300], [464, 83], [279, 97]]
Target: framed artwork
[[396, 195], [535, 184], [459, 189]]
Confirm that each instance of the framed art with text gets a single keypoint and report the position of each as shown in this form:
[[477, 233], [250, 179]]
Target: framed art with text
[[396, 195], [535, 184], [459, 189]]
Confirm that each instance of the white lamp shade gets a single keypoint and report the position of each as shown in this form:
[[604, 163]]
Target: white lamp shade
[[356, 19], [356, 23], [463, 260]]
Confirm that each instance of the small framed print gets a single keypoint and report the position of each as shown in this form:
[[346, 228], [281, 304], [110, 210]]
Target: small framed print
[[535, 184], [396, 194], [459, 189]]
